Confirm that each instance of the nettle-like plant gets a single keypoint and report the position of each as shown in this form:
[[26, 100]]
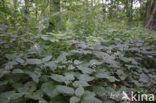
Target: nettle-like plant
[[76, 71]]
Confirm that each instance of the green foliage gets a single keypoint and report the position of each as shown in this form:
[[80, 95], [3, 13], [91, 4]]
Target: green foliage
[[85, 72], [84, 62]]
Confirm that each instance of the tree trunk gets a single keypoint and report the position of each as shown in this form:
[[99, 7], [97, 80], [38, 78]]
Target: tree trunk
[[150, 20], [148, 10]]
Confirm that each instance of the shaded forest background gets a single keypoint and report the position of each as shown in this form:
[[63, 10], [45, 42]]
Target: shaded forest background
[[58, 13]]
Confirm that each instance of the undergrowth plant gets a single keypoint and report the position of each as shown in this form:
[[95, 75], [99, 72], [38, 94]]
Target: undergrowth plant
[[61, 68]]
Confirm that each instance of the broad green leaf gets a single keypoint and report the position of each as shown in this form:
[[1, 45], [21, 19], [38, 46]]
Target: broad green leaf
[[69, 77], [33, 61], [62, 57], [143, 78], [98, 46], [91, 99], [52, 65], [11, 95], [3, 27], [99, 90], [17, 71], [49, 89], [38, 95], [74, 100], [111, 78], [58, 78], [65, 90], [34, 75], [85, 70], [77, 62], [85, 77], [80, 83], [47, 58], [42, 101], [16, 96], [120, 72], [101, 75], [3, 72], [71, 67], [28, 87], [10, 56], [95, 62], [79, 91], [19, 60]]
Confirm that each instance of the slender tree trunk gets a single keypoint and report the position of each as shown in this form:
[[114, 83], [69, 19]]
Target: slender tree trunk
[[152, 16], [148, 10]]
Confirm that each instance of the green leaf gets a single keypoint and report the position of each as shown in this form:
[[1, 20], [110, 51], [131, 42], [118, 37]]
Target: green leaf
[[85, 77], [3, 27], [38, 95], [33, 61], [99, 90], [79, 91], [52, 65], [80, 83], [47, 58], [77, 62], [65, 90], [49, 89], [85, 70], [101, 75], [3, 72], [17, 71], [28, 87], [111, 78], [143, 78], [42, 101], [11, 56], [3, 83], [11, 95], [71, 67], [74, 100], [121, 74], [58, 78], [98, 46], [34, 75], [95, 62], [69, 77], [91, 99], [19, 60], [62, 57], [16, 96]]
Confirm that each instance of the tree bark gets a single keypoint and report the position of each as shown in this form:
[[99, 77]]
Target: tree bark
[[148, 10], [152, 16]]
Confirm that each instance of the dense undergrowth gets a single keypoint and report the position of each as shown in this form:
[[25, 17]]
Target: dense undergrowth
[[69, 68]]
